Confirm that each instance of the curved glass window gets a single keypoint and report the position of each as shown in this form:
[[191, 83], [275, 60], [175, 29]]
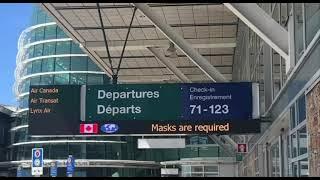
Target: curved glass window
[[23, 102], [61, 34], [63, 47], [92, 66], [38, 50], [33, 37], [49, 48], [35, 80], [46, 80], [48, 64], [78, 79], [61, 79], [28, 69], [30, 52], [95, 79], [36, 66], [25, 86], [41, 17], [39, 34], [75, 49], [79, 63], [50, 32], [62, 64]]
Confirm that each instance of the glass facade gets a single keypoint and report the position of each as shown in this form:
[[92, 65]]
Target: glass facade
[[285, 140], [298, 139]]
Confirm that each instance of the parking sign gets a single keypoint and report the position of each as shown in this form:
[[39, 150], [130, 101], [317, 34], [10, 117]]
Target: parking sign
[[37, 162]]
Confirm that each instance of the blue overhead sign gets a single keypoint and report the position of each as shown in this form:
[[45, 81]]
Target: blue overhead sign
[[217, 101], [70, 166]]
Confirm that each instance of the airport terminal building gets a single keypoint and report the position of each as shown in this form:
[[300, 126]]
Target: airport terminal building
[[273, 45]]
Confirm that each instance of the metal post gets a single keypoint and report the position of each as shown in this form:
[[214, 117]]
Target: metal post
[[267, 71]]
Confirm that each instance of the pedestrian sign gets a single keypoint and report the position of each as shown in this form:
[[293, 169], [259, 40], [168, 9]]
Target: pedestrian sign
[[54, 169], [70, 166], [37, 162]]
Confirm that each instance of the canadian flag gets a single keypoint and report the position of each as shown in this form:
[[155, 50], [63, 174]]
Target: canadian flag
[[89, 128]]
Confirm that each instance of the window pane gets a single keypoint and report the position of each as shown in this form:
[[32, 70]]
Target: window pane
[[35, 80], [92, 66], [36, 66], [48, 65], [62, 64], [39, 33], [29, 68], [63, 47], [75, 49], [30, 52], [38, 50], [303, 141], [293, 116], [60, 34], [46, 80], [78, 79], [212, 169], [294, 145], [303, 167], [312, 20], [61, 79], [25, 86], [298, 27], [95, 79], [41, 17], [49, 49], [78, 63], [50, 32], [33, 36], [295, 169], [275, 160], [302, 108]]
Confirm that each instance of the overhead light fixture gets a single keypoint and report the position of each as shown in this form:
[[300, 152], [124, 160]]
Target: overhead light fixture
[[171, 51]]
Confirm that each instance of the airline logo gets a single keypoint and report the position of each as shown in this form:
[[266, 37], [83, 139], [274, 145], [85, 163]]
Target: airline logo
[[109, 128], [89, 128]]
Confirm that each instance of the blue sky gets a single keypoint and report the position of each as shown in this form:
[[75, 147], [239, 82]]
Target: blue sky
[[14, 18]]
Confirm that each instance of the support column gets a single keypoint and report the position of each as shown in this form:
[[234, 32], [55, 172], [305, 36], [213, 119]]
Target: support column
[[267, 73]]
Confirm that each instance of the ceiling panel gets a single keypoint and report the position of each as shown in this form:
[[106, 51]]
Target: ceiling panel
[[141, 64]]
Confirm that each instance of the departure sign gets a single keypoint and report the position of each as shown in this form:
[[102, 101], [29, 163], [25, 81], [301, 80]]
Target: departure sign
[[194, 108], [54, 107], [206, 101]]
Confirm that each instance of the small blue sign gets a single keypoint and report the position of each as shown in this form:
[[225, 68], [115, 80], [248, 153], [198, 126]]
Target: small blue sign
[[109, 128], [70, 166], [54, 169], [19, 171], [37, 157]]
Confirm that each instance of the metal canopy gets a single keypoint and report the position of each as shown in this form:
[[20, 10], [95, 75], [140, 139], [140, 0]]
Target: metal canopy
[[210, 28]]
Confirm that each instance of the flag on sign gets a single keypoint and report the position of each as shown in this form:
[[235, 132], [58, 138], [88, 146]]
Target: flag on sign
[[89, 128]]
